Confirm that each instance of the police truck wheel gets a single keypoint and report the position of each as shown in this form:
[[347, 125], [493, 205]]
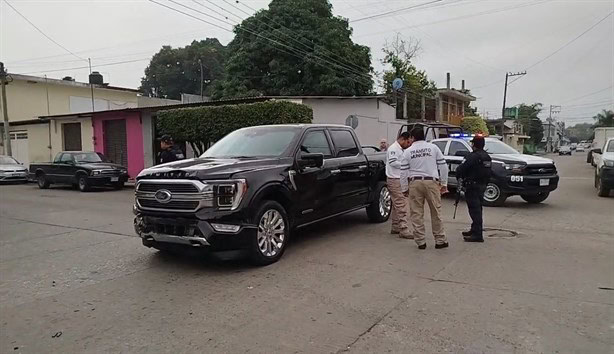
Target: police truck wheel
[[602, 191], [379, 210], [535, 198], [272, 234], [493, 195]]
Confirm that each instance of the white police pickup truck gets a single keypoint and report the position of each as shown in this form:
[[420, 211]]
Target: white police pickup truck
[[604, 170], [513, 173]]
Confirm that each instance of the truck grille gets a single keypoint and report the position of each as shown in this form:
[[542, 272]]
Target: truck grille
[[185, 196], [540, 170], [171, 187], [172, 205]]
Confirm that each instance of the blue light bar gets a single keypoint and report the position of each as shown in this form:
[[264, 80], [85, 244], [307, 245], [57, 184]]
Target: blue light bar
[[458, 135]]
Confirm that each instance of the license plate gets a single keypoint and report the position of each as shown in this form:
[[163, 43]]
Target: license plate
[[544, 182], [114, 179]]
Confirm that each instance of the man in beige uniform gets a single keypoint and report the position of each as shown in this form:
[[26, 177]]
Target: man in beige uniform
[[395, 164], [428, 180]]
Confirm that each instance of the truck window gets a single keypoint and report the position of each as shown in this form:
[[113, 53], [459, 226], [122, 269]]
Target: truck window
[[66, 158], [58, 158], [441, 145], [315, 142], [610, 147], [344, 143], [456, 146]]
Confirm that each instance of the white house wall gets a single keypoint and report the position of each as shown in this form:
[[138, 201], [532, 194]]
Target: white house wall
[[376, 120]]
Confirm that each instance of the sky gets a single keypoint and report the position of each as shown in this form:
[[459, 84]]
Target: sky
[[565, 47]]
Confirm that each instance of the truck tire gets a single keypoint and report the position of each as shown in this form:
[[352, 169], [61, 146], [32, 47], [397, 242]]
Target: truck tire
[[379, 210], [602, 191], [82, 183], [535, 198], [494, 195], [43, 182], [272, 234]]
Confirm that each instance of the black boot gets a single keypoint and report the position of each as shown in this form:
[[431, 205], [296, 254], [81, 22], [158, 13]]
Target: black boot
[[473, 239], [467, 233]]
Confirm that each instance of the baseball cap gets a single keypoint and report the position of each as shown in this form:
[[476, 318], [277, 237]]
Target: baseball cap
[[166, 138]]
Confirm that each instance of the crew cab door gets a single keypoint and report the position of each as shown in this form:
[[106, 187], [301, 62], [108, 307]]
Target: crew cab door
[[315, 185], [454, 158], [66, 169], [350, 166]]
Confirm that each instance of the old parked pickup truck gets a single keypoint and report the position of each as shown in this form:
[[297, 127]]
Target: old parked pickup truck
[[256, 186], [83, 170]]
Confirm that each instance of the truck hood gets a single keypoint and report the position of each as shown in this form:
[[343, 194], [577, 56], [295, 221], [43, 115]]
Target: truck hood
[[208, 168], [521, 158], [608, 156], [102, 166]]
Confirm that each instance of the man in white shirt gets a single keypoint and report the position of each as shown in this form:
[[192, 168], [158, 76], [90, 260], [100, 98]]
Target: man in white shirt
[[428, 180], [395, 164]]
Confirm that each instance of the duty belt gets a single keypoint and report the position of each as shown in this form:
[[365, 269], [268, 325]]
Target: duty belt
[[411, 179]]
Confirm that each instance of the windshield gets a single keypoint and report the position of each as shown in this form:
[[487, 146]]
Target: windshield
[[89, 157], [7, 160], [253, 142], [494, 146], [610, 146]]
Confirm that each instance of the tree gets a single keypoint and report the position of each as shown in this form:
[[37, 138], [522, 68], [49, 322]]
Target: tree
[[296, 47], [399, 54], [604, 119], [173, 71], [531, 124], [475, 125], [582, 131]]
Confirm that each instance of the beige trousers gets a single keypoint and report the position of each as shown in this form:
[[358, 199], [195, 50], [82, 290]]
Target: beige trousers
[[399, 207], [419, 191]]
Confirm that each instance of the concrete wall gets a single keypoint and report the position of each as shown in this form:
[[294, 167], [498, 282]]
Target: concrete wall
[[134, 138], [149, 157], [38, 142], [27, 99], [376, 119], [57, 138]]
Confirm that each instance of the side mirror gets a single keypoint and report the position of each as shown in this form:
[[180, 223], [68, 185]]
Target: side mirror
[[310, 160], [596, 151], [462, 153]]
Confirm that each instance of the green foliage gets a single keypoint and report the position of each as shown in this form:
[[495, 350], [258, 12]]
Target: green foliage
[[202, 126], [604, 119], [399, 55], [531, 124], [582, 131], [474, 125], [492, 129], [173, 71], [322, 58], [471, 111]]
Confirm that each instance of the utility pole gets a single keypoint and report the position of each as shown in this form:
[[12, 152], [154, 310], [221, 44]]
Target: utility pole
[[507, 75], [91, 84], [553, 109], [5, 112]]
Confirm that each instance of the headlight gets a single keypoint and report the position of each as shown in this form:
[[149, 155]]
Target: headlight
[[514, 167], [229, 195], [608, 163], [96, 172], [2, 173]]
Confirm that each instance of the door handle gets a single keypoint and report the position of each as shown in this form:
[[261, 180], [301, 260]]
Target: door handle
[[335, 172]]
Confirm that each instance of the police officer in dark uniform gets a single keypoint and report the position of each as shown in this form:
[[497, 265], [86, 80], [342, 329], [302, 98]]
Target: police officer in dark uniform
[[169, 152], [475, 172]]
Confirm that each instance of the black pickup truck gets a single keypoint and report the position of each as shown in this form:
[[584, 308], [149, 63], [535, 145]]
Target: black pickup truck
[[83, 170], [257, 185]]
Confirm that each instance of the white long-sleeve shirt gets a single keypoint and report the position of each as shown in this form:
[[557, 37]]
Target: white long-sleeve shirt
[[425, 160], [397, 164]]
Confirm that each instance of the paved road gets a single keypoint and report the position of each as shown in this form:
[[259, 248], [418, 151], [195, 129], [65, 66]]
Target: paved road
[[74, 278]]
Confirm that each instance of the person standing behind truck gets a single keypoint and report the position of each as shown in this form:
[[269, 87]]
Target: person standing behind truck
[[169, 152], [428, 180], [395, 163]]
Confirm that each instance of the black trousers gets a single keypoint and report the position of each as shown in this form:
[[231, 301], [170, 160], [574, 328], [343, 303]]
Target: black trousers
[[474, 195]]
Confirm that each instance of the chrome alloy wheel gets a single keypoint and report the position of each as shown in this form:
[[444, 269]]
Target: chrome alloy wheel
[[492, 192], [271, 233], [385, 202]]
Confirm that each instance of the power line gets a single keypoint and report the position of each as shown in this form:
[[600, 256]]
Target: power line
[[570, 42], [41, 31], [86, 67], [590, 94], [395, 11]]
